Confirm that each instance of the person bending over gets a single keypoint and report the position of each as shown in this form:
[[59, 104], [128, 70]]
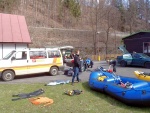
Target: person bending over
[[112, 64]]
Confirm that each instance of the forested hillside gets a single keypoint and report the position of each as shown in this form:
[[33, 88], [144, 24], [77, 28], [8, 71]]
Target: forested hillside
[[88, 24]]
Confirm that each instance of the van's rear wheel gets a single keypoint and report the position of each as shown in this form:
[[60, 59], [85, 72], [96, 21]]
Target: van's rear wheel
[[53, 71], [8, 75]]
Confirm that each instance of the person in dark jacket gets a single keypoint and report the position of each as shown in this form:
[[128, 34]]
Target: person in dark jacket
[[76, 66]]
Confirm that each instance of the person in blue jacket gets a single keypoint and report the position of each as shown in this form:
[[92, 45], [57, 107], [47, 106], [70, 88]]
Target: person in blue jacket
[[89, 62]]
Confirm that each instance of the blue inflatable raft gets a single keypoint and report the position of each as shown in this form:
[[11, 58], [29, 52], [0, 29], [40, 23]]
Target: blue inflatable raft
[[131, 91]]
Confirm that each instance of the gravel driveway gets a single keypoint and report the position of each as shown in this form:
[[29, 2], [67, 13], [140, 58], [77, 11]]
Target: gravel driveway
[[84, 76]]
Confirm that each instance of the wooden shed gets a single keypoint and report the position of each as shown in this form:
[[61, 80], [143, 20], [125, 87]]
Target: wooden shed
[[138, 42], [13, 33]]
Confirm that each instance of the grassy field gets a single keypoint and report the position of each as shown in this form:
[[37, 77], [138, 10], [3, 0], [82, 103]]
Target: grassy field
[[88, 102]]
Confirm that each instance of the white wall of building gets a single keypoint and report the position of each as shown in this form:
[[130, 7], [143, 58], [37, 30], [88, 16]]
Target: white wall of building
[[6, 48], [0, 51], [21, 46]]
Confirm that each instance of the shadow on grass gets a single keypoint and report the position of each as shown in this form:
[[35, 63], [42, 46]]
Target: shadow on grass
[[113, 101], [100, 94]]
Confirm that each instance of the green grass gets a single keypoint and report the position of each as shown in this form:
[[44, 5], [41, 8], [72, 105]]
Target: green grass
[[88, 102]]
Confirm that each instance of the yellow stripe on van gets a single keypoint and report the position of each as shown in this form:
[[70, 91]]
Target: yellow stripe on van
[[31, 67], [14, 68], [39, 60], [56, 60], [43, 66]]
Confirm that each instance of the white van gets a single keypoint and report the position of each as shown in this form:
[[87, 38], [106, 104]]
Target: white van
[[31, 61]]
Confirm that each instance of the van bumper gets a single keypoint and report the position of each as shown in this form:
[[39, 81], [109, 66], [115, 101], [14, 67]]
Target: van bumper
[[61, 68]]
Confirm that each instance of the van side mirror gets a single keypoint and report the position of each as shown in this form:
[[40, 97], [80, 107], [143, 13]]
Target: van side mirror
[[13, 58]]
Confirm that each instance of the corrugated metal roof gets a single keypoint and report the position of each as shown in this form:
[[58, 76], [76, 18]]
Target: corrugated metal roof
[[13, 28]]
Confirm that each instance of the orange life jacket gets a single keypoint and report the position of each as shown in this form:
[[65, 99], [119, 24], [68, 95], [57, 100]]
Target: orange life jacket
[[41, 100]]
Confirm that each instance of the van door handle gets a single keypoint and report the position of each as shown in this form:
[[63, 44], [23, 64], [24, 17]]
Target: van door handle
[[27, 60]]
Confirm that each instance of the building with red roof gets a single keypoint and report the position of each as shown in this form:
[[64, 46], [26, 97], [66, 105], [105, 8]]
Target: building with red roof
[[14, 33]]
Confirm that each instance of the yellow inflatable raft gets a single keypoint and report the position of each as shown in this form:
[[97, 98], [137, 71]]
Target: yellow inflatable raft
[[142, 75]]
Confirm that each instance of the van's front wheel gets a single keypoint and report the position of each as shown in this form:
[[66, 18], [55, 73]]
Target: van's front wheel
[[53, 71], [8, 75]]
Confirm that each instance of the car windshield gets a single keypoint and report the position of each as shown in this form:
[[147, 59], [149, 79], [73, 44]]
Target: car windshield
[[9, 55], [144, 55]]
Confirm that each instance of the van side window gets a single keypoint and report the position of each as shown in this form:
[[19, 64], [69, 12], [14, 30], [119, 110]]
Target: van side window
[[37, 54], [54, 54], [21, 55]]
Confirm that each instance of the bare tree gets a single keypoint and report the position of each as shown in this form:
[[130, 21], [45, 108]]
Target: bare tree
[[147, 12], [131, 15], [112, 17], [95, 16]]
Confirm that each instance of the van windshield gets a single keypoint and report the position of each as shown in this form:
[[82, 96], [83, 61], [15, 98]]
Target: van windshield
[[9, 55]]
